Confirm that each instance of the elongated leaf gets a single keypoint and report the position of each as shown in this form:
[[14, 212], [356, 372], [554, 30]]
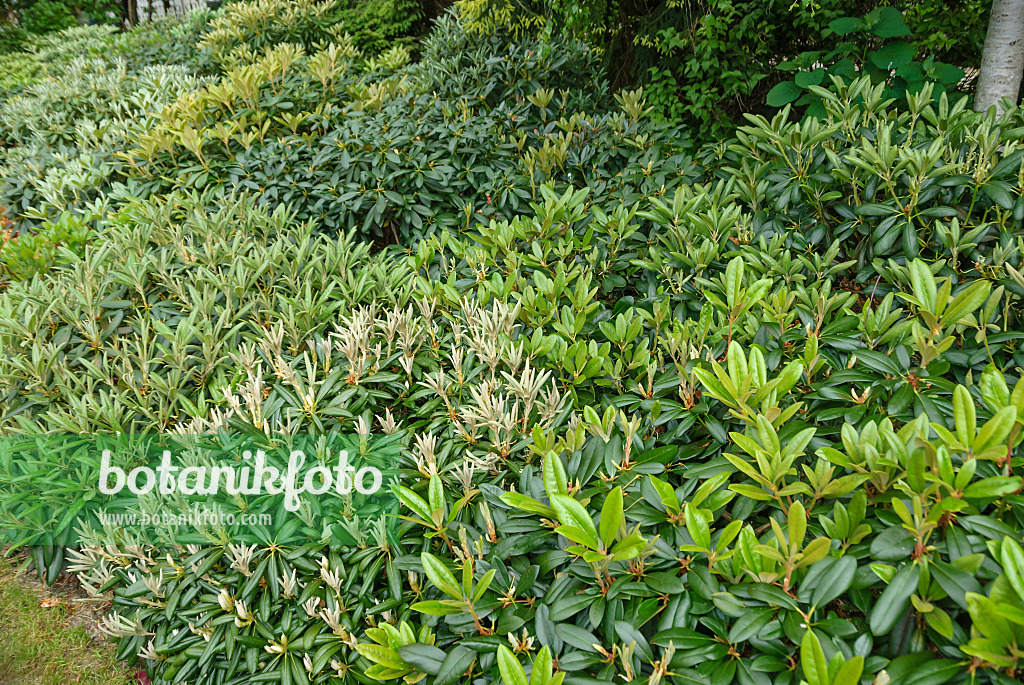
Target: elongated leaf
[[812, 660], [511, 670], [964, 417], [571, 513], [435, 608], [555, 482], [996, 429], [521, 501], [996, 486], [954, 581], [542, 665], [894, 600], [426, 658], [440, 576], [836, 582], [454, 665], [418, 505], [924, 284], [697, 527], [733, 282], [750, 624], [850, 672], [611, 517], [966, 302], [1012, 558]]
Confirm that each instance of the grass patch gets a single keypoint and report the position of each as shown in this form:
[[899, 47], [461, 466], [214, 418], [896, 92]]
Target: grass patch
[[42, 646]]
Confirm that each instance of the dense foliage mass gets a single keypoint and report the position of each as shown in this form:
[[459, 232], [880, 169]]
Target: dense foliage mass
[[707, 62], [747, 411]]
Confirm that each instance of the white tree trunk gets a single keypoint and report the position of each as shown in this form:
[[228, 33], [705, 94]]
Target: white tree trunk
[[1002, 61]]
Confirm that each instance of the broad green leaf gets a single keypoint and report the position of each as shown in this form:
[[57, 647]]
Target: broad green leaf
[[993, 388], [892, 56], [750, 624], [555, 482], [577, 637], [571, 513], [991, 488], [1012, 558], [894, 600], [455, 664], [611, 517], [511, 670], [542, 665], [889, 23], [628, 547], [426, 658], [835, 582], [964, 416], [418, 505], [383, 656], [939, 621], [999, 193], [436, 608], [521, 501], [440, 576], [924, 284], [850, 672], [966, 302], [797, 524], [578, 535], [666, 493], [783, 94], [697, 527], [483, 585], [846, 25], [812, 659], [734, 276], [805, 79], [995, 430], [435, 489]]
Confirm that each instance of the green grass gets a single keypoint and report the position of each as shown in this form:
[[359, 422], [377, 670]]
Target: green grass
[[41, 646]]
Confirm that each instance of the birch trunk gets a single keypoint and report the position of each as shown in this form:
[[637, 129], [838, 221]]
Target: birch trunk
[[1002, 61]]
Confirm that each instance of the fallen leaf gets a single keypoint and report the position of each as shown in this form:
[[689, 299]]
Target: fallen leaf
[[50, 602]]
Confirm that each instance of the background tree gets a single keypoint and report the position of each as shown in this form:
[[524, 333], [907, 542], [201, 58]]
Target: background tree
[[1002, 60]]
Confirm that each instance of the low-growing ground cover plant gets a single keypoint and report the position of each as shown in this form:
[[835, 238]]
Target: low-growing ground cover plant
[[62, 132], [794, 455], [67, 108], [934, 180], [745, 412]]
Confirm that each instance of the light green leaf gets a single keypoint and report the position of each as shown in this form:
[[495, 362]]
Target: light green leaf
[[571, 513], [511, 670], [812, 659], [440, 576], [436, 608], [611, 517], [850, 672], [555, 482], [964, 416], [996, 429], [1012, 558], [734, 279], [521, 501], [697, 527]]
